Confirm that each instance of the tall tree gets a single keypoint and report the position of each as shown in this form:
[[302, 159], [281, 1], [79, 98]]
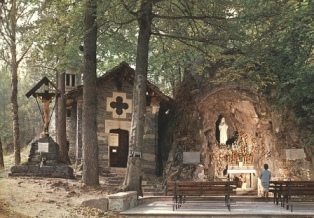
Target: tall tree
[[144, 19], [11, 24], [89, 119]]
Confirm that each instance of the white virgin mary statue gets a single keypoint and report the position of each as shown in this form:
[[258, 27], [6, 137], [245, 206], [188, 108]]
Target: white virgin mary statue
[[223, 127]]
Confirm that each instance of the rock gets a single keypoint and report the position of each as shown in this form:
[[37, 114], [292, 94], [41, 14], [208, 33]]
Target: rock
[[71, 194], [100, 203]]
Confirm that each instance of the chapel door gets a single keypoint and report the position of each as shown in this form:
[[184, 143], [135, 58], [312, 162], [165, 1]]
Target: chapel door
[[119, 155]]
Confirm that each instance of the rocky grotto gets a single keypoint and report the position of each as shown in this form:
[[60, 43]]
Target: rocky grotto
[[257, 133]]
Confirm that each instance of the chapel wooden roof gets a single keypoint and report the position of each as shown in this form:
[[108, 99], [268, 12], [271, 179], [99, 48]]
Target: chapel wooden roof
[[122, 72]]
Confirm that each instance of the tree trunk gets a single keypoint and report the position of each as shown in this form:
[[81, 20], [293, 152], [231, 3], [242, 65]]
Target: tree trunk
[[15, 116], [132, 179], [61, 130], [1, 156], [78, 157], [14, 103], [89, 128]]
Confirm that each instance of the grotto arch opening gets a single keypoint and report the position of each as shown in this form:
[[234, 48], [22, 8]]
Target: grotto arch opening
[[249, 135]]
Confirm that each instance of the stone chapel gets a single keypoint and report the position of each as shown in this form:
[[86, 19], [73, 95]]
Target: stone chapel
[[114, 114]]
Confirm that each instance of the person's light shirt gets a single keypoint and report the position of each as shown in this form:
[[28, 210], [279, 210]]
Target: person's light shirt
[[265, 176]]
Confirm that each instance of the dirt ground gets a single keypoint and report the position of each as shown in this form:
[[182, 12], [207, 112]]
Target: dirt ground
[[22, 197]]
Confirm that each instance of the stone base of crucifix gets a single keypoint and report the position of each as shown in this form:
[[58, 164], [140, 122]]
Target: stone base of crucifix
[[44, 148], [43, 161]]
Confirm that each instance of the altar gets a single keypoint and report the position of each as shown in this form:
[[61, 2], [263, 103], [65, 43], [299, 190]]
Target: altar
[[249, 173]]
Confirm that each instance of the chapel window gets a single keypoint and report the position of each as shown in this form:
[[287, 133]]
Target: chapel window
[[70, 80]]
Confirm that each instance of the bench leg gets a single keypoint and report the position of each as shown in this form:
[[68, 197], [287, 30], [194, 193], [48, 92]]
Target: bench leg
[[180, 201], [229, 204], [177, 202], [287, 204], [278, 199], [275, 198], [283, 201], [229, 207]]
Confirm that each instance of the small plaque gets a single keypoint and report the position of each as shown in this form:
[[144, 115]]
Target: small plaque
[[113, 140], [135, 154], [43, 147], [191, 157], [295, 154]]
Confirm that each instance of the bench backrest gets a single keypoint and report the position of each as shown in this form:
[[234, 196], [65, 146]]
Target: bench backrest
[[200, 188], [292, 187]]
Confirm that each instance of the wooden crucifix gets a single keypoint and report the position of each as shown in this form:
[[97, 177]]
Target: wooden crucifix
[[46, 98]]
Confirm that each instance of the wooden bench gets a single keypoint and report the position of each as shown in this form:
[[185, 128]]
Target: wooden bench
[[302, 189], [284, 191], [181, 190], [278, 188]]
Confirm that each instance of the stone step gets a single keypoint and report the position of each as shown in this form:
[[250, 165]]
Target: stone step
[[109, 174], [115, 170], [114, 176], [114, 179], [115, 182]]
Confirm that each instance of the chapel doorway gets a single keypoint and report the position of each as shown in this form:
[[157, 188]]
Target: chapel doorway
[[118, 155]]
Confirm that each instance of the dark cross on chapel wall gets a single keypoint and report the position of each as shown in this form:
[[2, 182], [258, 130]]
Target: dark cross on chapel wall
[[119, 105]]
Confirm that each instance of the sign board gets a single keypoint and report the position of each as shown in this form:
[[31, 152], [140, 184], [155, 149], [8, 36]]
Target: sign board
[[191, 157], [135, 154], [43, 147], [113, 140], [295, 154]]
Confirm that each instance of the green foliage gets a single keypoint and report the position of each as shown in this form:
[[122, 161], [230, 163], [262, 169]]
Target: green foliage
[[117, 35], [268, 43], [57, 35], [5, 119], [277, 54]]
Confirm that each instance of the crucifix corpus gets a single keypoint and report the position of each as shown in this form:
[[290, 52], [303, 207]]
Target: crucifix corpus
[[46, 98]]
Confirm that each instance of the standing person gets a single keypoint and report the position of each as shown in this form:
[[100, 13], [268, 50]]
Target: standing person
[[265, 178]]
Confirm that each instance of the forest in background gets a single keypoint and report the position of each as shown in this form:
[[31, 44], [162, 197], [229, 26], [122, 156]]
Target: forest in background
[[266, 43]]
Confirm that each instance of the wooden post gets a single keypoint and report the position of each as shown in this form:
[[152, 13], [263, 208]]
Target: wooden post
[[1, 156]]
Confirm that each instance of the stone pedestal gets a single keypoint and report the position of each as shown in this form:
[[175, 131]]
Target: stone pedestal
[[44, 148], [43, 161], [122, 201], [51, 171]]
